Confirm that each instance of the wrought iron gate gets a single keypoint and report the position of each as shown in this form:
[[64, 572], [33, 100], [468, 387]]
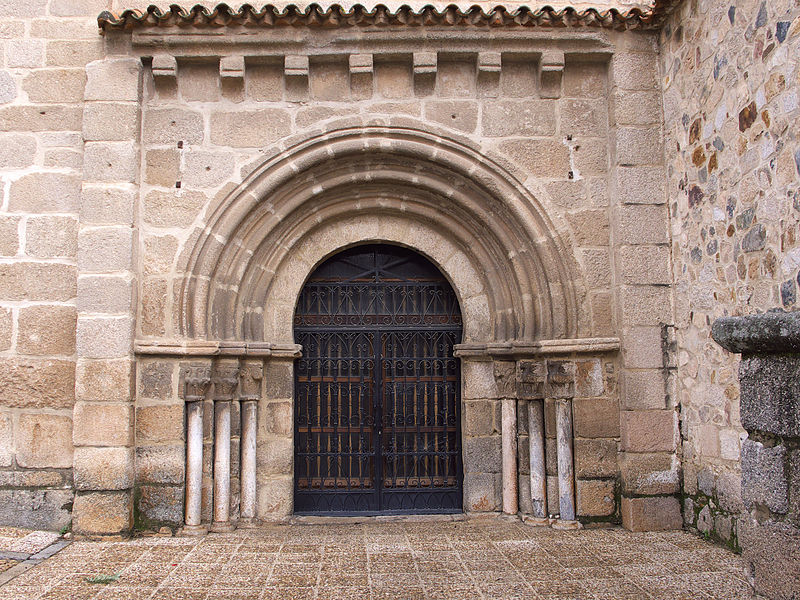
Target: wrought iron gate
[[377, 392]]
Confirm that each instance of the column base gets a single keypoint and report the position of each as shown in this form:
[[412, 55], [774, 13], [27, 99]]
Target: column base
[[222, 527], [193, 530], [567, 525], [248, 523], [537, 521]]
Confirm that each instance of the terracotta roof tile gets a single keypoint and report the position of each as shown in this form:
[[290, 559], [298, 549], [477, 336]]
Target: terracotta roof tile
[[358, 15]]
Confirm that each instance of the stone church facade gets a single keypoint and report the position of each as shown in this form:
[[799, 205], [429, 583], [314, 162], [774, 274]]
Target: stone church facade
[[596, 185]]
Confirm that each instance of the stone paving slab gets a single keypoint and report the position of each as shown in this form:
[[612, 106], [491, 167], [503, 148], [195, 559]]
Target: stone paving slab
[[481, 558]]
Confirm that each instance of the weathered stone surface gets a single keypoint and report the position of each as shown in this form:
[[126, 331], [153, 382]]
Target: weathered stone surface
[[104, 337], [649, 474], [656, 513], [595, 497], [596, 418], [45, 192], [6, 440], [156, 379], [482, 492], [648, 430], [482, 454], [51, 237], [770, 394], [159, 506], [42, 117], [174, 208], [207, 169], [33, 383], [159, 423], [8, 89], [102, 513], [249, 129], [160, 464], [764, 477], [538, 157], [103, 468], [17, 150], [519, 118], [776, 331], [104, 294], [773, 552], [103, 424], [9, 235], [44, 440], [47, 330], [107, 205], [110, 121], [458, 114], [164, 126], [36, 509], [110, 162], [595, 458], [105, 380], [278, 418]]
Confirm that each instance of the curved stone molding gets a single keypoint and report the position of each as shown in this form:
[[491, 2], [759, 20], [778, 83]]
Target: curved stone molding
[[504, 256]]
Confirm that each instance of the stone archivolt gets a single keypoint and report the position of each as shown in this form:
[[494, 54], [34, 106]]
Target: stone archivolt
[[492, 239]]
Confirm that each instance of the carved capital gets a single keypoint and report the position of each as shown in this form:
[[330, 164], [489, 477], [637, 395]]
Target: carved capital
[[560, 379], [251, 373], [531, 378], [195, 383], [226, 378]]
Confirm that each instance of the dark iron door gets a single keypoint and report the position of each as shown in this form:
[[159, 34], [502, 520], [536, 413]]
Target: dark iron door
[[377, 391]]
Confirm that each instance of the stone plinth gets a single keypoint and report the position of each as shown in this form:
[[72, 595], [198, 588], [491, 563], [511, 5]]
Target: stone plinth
[[769, 376]]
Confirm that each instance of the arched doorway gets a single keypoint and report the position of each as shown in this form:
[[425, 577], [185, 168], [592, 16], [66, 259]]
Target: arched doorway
[[377, 391]]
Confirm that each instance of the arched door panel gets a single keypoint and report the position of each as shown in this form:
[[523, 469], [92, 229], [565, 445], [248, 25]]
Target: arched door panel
[[377, 392]]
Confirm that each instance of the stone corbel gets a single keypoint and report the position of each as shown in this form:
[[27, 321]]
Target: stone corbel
[[231, 74], [361, 75], [165, 70], [489, 68], [425, 66], [295, 70], [551, 73]]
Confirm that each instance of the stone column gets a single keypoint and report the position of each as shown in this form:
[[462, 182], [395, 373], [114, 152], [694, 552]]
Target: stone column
[[769, 406], [538, 474], [505, 379], [226, 378], [107, 241], [509, 444], [531, 377], [196, 383], [251, 374], [561, 387], [566, 472]]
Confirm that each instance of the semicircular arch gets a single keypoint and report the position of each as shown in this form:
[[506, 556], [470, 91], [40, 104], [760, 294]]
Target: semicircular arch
[[436, 194]]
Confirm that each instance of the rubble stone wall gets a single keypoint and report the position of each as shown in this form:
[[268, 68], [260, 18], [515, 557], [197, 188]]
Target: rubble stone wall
[[730, 74]]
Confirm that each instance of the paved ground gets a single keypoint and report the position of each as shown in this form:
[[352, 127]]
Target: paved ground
[[487, 558]]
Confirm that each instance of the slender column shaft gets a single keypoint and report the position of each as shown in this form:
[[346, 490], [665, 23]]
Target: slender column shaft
[[222, 461], [194, 462], [537, 459], [248, 459], [566, 475], [509, 442]]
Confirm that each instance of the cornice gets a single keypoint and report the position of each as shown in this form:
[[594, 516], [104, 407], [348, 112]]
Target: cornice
[[315, 16]]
